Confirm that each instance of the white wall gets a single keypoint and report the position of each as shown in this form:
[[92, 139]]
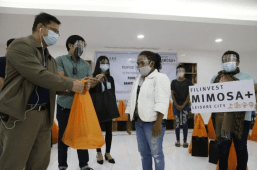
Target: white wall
[[208, 62]]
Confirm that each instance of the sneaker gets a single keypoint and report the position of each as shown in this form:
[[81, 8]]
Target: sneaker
[[62, 168], [86, 168]]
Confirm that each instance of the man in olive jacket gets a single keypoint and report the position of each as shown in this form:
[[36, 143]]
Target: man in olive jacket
[[27, 101]]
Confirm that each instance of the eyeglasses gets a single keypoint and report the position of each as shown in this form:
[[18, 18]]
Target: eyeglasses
[[142, 63], [52, 29]]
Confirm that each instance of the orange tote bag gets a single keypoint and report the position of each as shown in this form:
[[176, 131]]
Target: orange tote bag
[[83, 130]]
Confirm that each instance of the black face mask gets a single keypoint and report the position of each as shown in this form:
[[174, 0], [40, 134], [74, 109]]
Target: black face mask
[[78, 52]]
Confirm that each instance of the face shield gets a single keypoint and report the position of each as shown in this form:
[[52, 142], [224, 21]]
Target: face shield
[[229, 58], [80, 47], [180, 72], [229, 62]]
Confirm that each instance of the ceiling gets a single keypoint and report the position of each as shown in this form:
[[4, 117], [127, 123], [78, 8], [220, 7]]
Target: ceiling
[[114, 27]]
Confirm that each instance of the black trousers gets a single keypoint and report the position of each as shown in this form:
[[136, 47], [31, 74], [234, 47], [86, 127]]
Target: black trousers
[[241, 150], [108, 137], [83, 155]]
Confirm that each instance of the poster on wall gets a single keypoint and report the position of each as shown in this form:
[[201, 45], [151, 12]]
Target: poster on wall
[[123, 68], [232, 96]]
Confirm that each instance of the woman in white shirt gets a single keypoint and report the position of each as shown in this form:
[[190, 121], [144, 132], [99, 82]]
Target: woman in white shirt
[[148, 106]]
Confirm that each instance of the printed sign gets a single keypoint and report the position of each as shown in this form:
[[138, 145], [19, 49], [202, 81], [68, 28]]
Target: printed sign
[[123, 68], [223, 97]]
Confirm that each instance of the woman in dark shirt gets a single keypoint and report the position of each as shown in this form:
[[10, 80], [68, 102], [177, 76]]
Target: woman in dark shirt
[[180, 96], [102, 67]]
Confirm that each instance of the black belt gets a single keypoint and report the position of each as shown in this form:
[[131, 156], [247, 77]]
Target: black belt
[[39, 107]]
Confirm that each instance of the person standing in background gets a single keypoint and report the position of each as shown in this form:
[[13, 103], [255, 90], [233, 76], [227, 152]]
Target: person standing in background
[[73, 68], [181, 108], [2, 67], [103, 68]]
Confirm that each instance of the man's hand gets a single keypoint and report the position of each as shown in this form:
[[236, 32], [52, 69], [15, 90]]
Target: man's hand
[[87, 85], [78, 86]]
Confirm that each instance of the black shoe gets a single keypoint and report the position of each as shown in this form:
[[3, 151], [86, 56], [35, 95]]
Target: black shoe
[[109, 160], [100, 161]]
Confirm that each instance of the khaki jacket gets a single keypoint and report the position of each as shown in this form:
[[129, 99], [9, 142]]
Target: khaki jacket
[[24, 70]]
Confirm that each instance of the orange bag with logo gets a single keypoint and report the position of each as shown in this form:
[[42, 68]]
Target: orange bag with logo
[[121, 110], [199, 130], [83, 130], [232, 159], [54, 131]]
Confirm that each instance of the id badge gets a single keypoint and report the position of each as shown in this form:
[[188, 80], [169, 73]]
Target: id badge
[[108, 85]]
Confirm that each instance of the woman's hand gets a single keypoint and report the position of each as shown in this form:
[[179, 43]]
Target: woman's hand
[[156, 130], [129, 127], [100, 77]]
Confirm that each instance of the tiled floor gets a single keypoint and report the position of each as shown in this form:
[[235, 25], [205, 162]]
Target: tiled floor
[[124, 151]]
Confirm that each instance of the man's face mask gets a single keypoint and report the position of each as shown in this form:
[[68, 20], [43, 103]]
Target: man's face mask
[[180, 72], [229, 62], [79, 48], [51, 38]]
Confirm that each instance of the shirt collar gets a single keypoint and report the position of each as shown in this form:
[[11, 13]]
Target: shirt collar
[[153, 74], [38, 45]]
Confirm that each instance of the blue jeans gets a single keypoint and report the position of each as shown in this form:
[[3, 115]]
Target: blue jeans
[[241, 150], [149, 146], [185, 113]]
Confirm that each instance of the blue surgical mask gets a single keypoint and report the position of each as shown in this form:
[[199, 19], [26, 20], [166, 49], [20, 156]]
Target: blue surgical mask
[[51, 38], [229, 66], [104, 67]]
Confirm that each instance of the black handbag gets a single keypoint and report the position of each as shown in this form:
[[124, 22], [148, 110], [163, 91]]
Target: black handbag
[[105, 104], [200, 146], [213, 152]]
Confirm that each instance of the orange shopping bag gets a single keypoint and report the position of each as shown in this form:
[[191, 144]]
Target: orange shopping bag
[[199, 130], [254, 132], [121, 110], [170, 112], [83, 130], [211, 131], [54, 130]]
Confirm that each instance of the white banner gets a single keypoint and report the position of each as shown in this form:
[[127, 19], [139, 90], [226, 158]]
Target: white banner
[[123, 68], [223, 97]]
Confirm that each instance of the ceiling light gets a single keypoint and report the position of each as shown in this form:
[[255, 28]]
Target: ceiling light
[[218, 40], [140, 36]]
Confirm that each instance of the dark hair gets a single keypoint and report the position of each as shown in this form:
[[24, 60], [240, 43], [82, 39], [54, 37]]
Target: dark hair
[[180, 66], [72, 39], [97, 69], [232, 52], [153, 57], [9, 42], [44, 19]]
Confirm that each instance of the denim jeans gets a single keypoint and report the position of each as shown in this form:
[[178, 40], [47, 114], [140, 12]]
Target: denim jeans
[[149, 146], [241, 150], [185, 113]]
